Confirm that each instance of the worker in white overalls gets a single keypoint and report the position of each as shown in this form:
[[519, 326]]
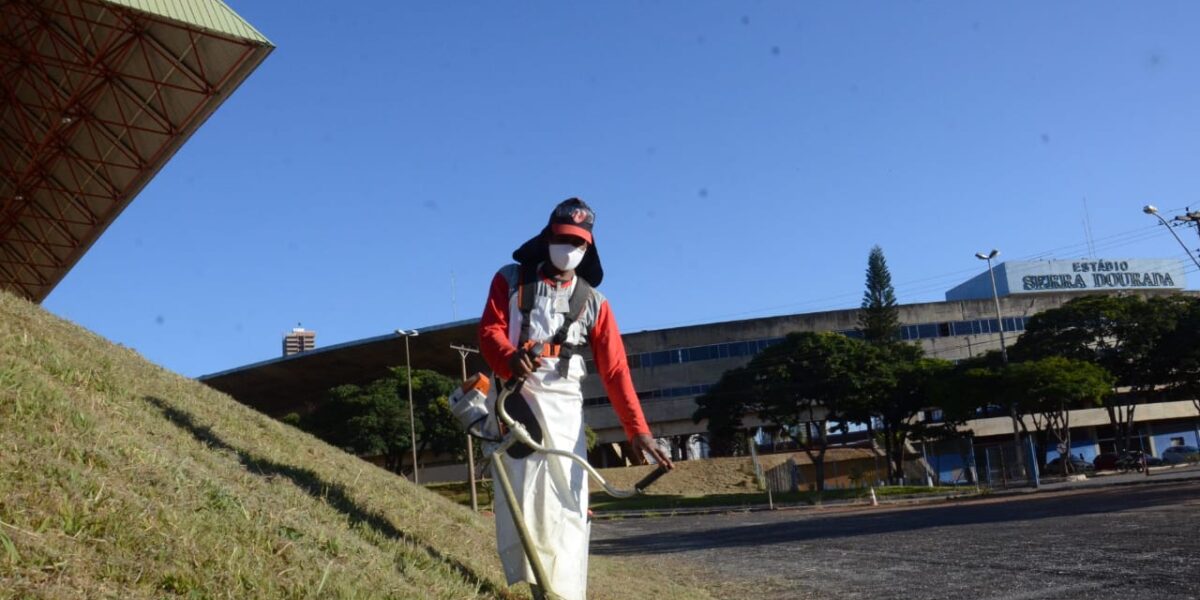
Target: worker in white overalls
[[548, 299]]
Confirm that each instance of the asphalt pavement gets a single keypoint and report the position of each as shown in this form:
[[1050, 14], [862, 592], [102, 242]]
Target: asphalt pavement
[[1091, 541]]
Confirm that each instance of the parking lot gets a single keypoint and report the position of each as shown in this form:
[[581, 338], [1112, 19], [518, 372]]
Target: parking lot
[[1129, 542]]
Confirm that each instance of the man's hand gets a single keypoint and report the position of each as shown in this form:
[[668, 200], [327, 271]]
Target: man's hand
[[644, 444], [522, 364]]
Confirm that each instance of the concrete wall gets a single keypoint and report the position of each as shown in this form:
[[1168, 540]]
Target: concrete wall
[[673, 416]]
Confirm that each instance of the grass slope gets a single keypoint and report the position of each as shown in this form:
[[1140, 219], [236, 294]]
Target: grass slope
[[121, 479]]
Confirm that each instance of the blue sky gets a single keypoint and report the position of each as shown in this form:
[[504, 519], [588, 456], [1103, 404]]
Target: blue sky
[[742, 158]]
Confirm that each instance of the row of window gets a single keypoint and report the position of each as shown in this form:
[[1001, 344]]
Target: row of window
[[920, 331], [749, 348], [923, 331], [694, 353], [960, 328], [675, 392]]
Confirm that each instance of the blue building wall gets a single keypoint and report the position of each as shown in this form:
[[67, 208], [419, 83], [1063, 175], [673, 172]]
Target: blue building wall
[[1080, 445], [1163, 432]]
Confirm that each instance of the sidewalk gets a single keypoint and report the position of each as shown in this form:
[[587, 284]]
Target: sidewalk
[[1158, 475]]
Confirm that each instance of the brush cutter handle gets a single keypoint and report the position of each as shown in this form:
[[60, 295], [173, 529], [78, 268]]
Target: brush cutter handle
[[641, 486], [517, 433]]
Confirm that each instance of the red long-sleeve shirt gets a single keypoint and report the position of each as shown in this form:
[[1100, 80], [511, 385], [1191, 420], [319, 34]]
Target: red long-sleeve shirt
[[607, 349]]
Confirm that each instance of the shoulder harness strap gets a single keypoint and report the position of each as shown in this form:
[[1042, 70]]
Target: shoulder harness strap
[[526, 293], [579, 299]]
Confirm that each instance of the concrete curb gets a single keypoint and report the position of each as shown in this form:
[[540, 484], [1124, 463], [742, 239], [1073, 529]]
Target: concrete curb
[[745, 508], [907, 500]]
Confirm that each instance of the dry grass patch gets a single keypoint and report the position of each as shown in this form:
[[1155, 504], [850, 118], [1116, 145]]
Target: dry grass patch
[[119, 479]]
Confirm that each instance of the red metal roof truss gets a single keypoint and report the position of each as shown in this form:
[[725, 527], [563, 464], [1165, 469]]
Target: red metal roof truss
[[93, 99]]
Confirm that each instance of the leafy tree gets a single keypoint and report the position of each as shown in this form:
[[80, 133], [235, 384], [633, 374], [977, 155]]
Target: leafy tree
[[974, 387], [905, 389], [1051, 388], [1180, 354], [879, 317], [811, 384], [1119, 333], [372, 420], [723, 406], [590, 437]]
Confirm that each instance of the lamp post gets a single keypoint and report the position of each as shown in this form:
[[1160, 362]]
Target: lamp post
[[995, 298], [463, 351], [412, 419], [1012, 407], [1150, 209]]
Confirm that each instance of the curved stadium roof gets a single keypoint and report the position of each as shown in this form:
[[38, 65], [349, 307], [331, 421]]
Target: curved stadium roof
[[95, 97]]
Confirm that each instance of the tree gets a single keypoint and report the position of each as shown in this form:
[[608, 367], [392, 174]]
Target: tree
[[438, 431], [369, 420], [1119, 333], [590, 437], [973, 388], [811, 384], [1054, 386], [1180, 354], [904, 390], [372, 420], [879, 317], [879, 324], [723, 406]]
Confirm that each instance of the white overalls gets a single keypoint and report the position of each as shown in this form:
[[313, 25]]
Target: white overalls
[[552, 490]]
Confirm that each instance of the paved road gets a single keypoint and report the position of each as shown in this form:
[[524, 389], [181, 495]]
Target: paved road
[[1135, 542]]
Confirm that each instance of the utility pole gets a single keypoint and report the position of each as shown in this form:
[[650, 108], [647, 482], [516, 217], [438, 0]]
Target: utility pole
[[1192, 218], [1189, 217], [463, 351]]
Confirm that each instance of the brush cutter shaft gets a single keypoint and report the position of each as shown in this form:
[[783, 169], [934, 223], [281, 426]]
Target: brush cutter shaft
[[518, 434]]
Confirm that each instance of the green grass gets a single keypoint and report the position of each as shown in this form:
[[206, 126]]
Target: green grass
[[120, 479], [459, 492], [601, 502]]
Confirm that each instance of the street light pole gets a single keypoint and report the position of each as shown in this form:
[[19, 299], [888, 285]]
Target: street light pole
[[463, 351], [996, 298], [1012, 406], [412, 419], [1150, 209]]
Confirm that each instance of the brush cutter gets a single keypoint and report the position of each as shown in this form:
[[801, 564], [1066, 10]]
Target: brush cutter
[[516, 441]]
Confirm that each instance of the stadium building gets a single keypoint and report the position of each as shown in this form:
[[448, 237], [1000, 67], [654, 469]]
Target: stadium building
[[672, 367]]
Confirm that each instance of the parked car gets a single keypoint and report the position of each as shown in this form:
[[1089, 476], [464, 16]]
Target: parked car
[[1078, 465], [1106, 461], [1178, 454], [1133, 460]]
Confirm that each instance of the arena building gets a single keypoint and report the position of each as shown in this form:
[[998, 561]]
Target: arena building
[[672, 367]]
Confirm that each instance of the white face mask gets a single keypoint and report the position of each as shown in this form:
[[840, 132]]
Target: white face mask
[[566, 256]]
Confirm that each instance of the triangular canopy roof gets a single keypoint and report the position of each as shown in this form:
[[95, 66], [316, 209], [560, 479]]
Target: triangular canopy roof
[[97, 95]]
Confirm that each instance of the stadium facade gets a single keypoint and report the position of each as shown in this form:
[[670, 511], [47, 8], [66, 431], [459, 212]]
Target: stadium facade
[[672, 367]]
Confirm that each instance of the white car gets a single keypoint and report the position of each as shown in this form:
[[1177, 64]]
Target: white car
[[1178, 454]]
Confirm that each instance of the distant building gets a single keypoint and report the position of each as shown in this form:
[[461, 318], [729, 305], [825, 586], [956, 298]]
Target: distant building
[[299, 340], [672, 367], [1025, 277]]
